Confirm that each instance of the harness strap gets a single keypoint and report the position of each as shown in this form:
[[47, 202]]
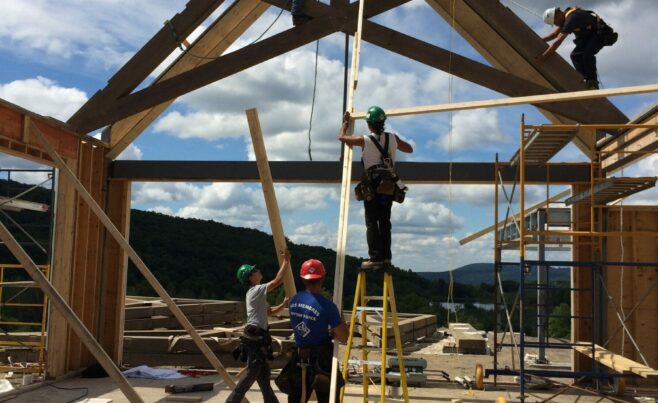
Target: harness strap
[[382, 150]]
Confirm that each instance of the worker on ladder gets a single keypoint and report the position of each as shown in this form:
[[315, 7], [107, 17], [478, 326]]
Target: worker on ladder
[[256, 344], [592, 34], [314, 319], [379, 186]]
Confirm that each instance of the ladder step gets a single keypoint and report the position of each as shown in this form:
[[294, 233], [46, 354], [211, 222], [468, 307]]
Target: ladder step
[[374, 298], [365, 362], [369, 309]]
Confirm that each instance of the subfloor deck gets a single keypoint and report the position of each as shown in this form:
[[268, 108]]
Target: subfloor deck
[[436, 390], [153, 391]]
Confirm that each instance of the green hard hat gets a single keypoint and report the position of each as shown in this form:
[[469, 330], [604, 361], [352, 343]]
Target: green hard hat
[[375, 115], [244, 271]]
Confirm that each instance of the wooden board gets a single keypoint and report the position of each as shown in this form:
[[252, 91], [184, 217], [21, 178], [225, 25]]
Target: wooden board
[[638, 282], [267, 184], [617, 362], [115, 270], [532, 99]]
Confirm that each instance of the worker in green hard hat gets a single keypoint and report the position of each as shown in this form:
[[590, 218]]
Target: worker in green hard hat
[[380, 184], [255, 345]]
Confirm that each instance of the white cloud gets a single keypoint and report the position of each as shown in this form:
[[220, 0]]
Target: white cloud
[[161, 209], [474, 129], [101, 33], [44, 96], [131, 153]]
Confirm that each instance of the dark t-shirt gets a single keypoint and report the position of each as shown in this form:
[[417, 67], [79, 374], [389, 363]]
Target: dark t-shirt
[[580, 22], [311, 317]]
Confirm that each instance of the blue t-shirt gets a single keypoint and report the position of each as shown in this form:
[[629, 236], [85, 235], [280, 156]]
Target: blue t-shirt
[[311, 316]]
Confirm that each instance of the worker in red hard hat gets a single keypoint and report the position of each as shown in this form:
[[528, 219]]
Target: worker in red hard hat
[[314, 319]]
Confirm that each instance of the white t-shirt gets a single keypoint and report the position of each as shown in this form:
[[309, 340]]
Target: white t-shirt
[[371, 155]]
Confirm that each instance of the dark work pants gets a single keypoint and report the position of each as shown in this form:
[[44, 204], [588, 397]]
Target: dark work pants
[[584, 56], [378, 227], [320, 358], [257, 370]]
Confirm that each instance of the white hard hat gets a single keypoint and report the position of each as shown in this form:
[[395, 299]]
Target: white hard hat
[[549, 15]]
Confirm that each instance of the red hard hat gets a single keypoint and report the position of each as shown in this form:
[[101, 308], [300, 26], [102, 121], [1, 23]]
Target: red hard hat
[[312, 269]]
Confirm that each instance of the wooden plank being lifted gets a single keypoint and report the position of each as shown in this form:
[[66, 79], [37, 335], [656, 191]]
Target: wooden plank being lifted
[[270, 197], [617, 362], [532, 99]]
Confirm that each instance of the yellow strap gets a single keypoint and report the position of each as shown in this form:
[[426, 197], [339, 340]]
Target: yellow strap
[[570, 11]]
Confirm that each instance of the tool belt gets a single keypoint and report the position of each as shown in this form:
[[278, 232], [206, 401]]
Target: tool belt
[[380, 180], [256, 340], [317, 361]]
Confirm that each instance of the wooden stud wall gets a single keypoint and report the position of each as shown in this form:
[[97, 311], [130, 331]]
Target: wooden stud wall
[[114, 272], [77, 262], [637, 281]]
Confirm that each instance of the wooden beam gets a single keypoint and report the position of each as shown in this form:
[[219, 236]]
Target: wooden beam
[[230, 64], [270, 197], [154, 52], [532, 99], [345, 194], [631, 145], [134, 257], [60, 274], [464, 173], [215, 40], [114, 272], [618, 362], [473, 71], [500, 223], [70, 317]]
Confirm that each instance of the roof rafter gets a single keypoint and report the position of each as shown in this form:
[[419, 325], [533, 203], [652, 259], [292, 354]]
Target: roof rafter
[[231, 63], [146, 59]]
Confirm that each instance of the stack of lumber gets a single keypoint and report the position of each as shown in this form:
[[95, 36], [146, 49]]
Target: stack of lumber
[[468, 340], [412, 327], [154, 314]]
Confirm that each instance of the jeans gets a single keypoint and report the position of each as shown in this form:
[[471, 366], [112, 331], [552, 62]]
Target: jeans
[[584, 55], [378, 227], [257, 370], [297, 7]]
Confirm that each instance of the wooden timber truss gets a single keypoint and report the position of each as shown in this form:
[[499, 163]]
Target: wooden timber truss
[[93, 206]]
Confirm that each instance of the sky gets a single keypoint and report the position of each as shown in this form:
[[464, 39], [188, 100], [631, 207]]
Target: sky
[[53, 66]]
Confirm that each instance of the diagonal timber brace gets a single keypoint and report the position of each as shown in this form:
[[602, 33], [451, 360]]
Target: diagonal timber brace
[[134, 257], [231, 63]]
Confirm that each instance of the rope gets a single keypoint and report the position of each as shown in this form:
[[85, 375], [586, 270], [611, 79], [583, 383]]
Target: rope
[[315, 84], [451, 287], [526, 9]]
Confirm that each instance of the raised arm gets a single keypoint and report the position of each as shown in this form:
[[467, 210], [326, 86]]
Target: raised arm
[[276, 281], [403, 145], [561, 36], [345, 138], [552, 35]]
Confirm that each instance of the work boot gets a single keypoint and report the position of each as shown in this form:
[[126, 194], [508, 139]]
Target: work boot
[[592, 84], [372, 264], [300, 19]]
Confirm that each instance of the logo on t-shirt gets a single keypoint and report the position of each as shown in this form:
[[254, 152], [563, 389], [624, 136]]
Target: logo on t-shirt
[[302, 329]]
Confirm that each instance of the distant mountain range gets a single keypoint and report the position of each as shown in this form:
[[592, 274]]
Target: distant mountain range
[[477, 273]]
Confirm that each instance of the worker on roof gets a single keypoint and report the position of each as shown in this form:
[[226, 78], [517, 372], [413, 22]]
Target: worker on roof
[[315, 320], [380, 185], [591, 35], [256, 344]]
